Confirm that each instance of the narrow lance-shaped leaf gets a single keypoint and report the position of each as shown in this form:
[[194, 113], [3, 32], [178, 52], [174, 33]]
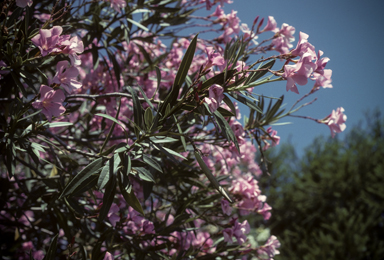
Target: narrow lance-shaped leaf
[[151, 162], [245, 101], [92, 168], [51, 253], [112, 119], [137, 109], [109, 195], [116, 66], [226, 128], [211, 178], [180, 76], [105, 172], [182, 138], [130, 196]]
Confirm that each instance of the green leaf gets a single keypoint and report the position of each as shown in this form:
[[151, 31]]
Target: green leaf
[[130, 196], [245, 101], [180, 77], [226, 128], [109, 195], [116, 66], [211, 178], [162, 139], [138, 24], [127, 164], [218, 79], [86, 185], [182, 138], [229, 103], [28, 116], [59, 124], [151, 162], [260, 74], [144, 174], [51, 253], [148, 118], [146, 98], [92, 168], [137, 110], [112, 119], [105, 173], [174, 153]]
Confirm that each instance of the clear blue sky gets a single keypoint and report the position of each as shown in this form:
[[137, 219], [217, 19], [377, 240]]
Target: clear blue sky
[[351, 34]]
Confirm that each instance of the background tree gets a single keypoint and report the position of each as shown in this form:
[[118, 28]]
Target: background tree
[[330, 203]]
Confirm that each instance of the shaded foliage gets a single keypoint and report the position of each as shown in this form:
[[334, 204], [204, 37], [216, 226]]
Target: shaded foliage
[[330, 203]]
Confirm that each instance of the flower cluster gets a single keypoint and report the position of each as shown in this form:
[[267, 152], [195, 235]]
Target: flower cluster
[[49, 41], [308, 66]]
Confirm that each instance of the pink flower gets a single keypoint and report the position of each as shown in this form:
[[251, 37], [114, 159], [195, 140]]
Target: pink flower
[[268, 251], [228, 233], [240, 230], [287, 31], [322, 80], [336, 121], [299, 73], [50, 101], [24, 3], [73, 47], [216, 95], [272, 136], [214, 59], [227, 210], [108, 256], [113, 214], [117, 4], [321, 63], [303, 46], [46, 40], [271, 25], [66, 77]]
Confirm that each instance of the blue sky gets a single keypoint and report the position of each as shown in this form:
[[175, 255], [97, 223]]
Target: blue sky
[[351, 34]]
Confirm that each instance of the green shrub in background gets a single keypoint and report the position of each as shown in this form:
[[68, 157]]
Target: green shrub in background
[[330, 203]]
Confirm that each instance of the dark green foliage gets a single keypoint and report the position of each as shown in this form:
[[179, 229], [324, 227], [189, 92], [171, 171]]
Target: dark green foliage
[[330, 204]]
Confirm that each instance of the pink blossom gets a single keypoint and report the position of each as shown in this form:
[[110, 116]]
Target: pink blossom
[[46, 40], [113, 214], [336, 121], [281, 44], [248, 34], [218, 11], [42, 16], [322, 80], [108, 256], [228, 233], [299, 73], [287, 31], [24, 3], [272, 136], [66, 76], [303, 46], [117, 4], [50, 101], [265, 211], [268, 251], [239, 231], [216, 95], [73, 47], [321, 63], [271, 25], [214, 58], [227, 210]]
